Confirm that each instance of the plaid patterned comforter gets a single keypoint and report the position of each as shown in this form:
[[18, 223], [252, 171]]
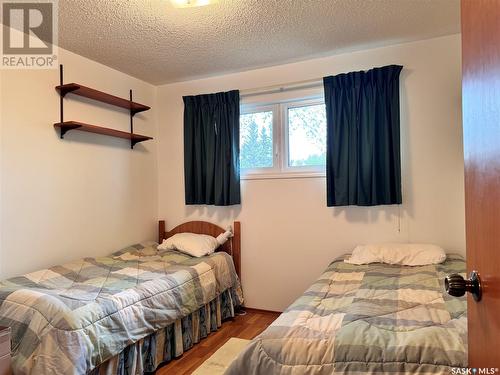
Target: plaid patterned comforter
[[373, 319], [70, 318]]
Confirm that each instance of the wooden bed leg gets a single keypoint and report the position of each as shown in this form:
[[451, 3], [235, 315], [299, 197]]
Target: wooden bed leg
[[161, 231]]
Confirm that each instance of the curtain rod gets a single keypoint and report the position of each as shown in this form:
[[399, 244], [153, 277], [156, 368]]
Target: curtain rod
[[300, 85]]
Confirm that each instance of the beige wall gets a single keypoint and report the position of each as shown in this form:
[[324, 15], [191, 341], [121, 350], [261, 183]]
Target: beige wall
[[289, 235], [84, 195]]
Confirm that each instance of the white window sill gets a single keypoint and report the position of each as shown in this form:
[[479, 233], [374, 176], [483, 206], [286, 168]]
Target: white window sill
[[282, 175]]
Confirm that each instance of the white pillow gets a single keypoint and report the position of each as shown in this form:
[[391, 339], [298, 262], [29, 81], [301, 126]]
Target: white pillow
[[196, 245], [406, 254]]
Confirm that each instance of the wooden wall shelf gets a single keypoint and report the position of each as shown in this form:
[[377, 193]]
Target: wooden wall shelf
[[76, 125], [87, 92]]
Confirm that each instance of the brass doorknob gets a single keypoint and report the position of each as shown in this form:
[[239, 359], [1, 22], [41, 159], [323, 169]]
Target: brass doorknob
[[456, 285]]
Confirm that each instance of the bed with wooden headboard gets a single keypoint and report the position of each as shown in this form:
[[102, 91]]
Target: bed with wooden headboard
[[232, 246], [111, 317]]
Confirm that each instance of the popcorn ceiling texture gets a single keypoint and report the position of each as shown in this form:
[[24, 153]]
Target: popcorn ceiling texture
[[153, 41]]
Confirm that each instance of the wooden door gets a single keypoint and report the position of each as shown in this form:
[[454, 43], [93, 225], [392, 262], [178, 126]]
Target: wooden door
[[481, 123]]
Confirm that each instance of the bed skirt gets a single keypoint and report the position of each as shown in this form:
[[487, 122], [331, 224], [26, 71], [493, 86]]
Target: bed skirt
[[170, 342]]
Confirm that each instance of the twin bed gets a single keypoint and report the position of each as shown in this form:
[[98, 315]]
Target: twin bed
[[366, 319], [137, 308], [125, 313]]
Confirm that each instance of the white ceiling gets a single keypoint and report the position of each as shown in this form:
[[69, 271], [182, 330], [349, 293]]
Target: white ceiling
[[152, 40]]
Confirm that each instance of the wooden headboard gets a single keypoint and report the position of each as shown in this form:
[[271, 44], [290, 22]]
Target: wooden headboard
[[232, 246]]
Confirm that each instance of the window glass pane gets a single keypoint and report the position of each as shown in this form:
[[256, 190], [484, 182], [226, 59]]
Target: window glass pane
[[256, 140], [307, 136]]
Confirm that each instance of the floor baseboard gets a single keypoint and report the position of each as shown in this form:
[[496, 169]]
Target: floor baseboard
[[261, 311]]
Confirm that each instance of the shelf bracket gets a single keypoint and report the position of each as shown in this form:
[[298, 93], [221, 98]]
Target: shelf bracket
[[136, 111], [132, 113], [61, 103], [63, 132], [67, 128], [67, 90]]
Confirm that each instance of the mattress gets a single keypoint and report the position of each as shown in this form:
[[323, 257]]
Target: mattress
[[70, 318], [366, 319]]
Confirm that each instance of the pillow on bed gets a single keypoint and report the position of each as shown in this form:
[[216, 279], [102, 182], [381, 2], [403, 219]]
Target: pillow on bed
[[407, 254], [196, 245]]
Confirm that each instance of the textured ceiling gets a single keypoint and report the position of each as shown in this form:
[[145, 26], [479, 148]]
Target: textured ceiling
[[152, 40]]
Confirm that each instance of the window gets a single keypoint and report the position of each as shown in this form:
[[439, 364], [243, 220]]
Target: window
[[283, 140], [306, 132], [256, 140]]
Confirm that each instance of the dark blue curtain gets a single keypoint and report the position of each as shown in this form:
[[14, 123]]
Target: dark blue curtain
[[363, 163], [212, 149]]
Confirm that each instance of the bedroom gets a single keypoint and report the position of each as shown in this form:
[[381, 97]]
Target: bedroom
[[65, 197]]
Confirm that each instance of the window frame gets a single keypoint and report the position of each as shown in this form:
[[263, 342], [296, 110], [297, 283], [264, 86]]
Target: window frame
[[281, 169], [256, 108], [304, 169]]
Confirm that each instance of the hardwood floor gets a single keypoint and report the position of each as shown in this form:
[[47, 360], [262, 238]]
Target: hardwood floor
[[243, 326]]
